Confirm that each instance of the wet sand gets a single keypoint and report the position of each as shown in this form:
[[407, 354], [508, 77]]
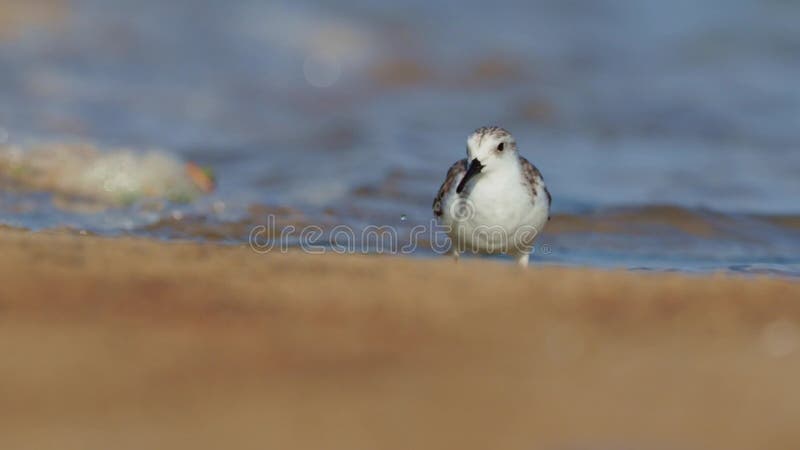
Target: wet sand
[[17, 17], [131, 344]]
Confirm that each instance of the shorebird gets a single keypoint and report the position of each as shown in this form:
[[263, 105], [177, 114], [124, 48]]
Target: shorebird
[[494, 201]]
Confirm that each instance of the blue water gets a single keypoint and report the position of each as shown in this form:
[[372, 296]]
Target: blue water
[[351, 114]]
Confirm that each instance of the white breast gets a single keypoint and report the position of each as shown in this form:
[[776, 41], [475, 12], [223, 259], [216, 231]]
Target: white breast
[[499, 214]]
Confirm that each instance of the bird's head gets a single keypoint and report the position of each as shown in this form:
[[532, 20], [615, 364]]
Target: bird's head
[[488, 149]]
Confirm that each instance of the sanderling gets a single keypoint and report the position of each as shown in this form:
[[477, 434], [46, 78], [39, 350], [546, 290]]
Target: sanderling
[[494, 201]]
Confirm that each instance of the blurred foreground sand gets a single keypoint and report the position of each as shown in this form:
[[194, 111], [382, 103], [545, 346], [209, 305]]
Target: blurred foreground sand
[[133, 344]]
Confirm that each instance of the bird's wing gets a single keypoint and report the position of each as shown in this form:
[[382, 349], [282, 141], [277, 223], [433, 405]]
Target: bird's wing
[[459, 168], [533, 177]]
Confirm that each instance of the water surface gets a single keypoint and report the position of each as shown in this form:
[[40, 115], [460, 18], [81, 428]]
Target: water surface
[[667, 131]]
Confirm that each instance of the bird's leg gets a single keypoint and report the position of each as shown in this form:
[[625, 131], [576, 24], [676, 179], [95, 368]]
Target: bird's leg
[[522, 259], [455, 255]]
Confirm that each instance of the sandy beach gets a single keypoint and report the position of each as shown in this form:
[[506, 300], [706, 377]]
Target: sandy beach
[[131, 343], [143, 135]]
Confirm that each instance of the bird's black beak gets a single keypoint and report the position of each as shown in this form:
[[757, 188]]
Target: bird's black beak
[[475, 168]]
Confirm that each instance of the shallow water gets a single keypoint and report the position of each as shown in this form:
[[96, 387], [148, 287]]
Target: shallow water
[[667, 131]]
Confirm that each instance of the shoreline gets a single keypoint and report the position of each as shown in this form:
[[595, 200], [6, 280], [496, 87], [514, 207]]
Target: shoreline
[[658, 238], [136, 343]]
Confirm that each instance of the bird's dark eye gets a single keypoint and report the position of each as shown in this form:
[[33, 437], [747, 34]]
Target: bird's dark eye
[[500, 146]]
